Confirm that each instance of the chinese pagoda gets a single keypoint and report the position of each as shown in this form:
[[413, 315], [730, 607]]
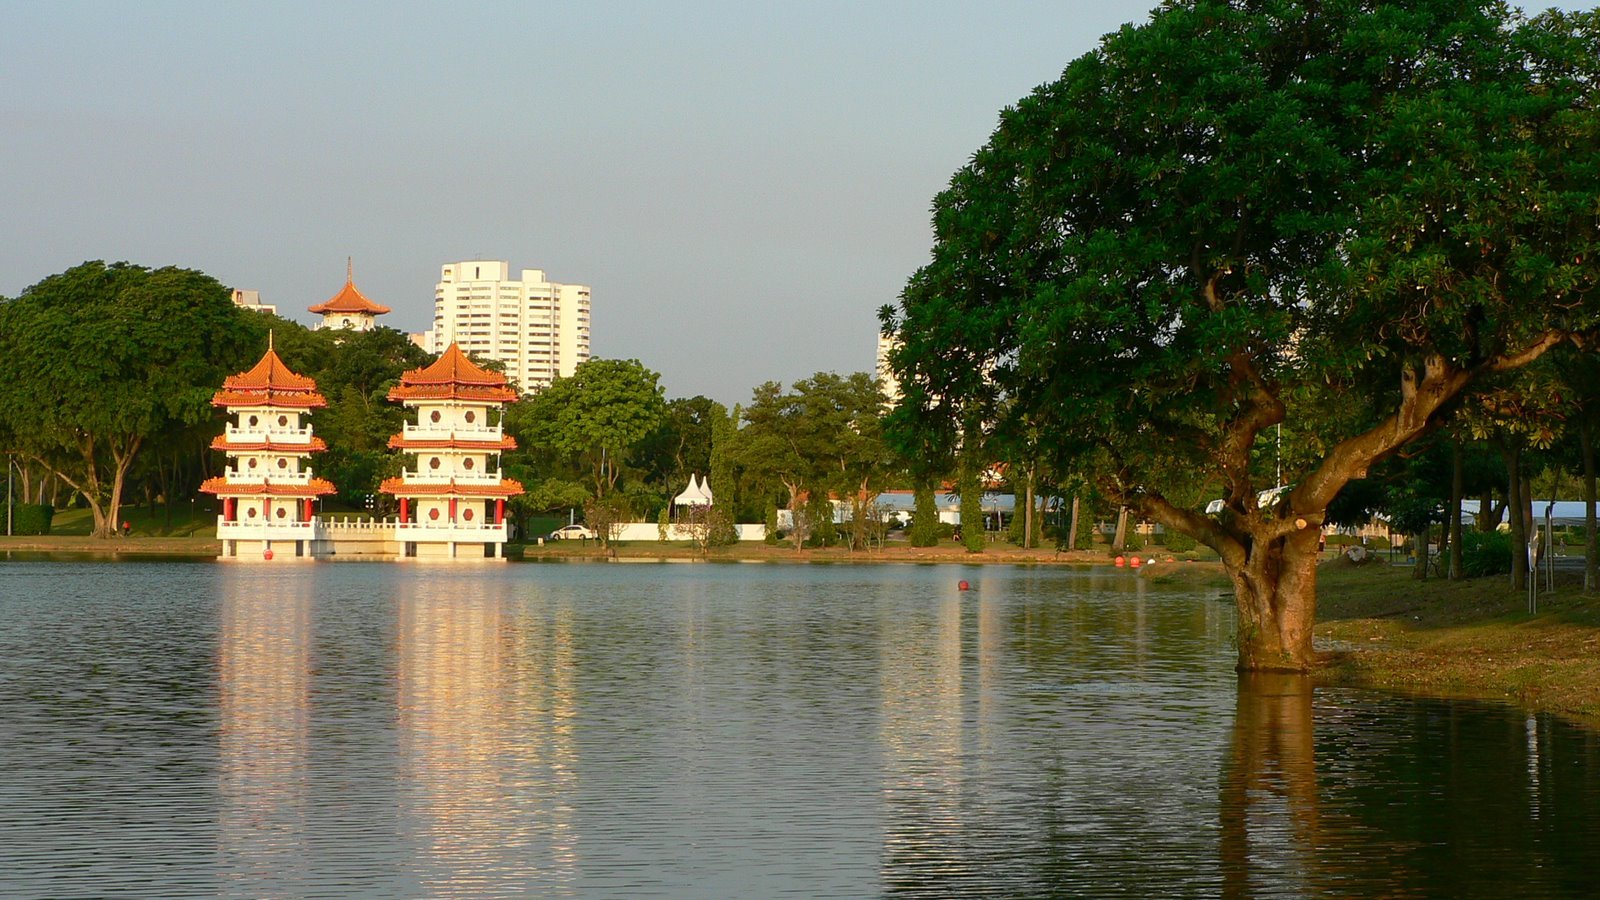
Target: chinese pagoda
[[349, 309], [268, 493], [453, 502]]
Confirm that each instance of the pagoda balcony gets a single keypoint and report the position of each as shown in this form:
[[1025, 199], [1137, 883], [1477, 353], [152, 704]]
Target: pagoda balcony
[[243, 434], [444, 432], [254, 477], [256, 530], [435, 476], [460, 532]]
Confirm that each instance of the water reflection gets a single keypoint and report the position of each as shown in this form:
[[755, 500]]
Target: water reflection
[[486, 757], [263, 710], [1270, 803]]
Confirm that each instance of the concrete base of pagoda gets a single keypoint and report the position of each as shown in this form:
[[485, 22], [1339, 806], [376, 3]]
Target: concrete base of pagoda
[[457, 542], [277, 543]]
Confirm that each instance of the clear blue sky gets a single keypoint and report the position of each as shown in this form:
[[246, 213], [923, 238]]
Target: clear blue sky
[[742, 184]]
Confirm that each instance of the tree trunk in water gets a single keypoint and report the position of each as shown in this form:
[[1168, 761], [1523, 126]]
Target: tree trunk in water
[[1120, 539], [1591, 550], [1454, 535], [1072, 535], [1276, 589], [1517, 507]]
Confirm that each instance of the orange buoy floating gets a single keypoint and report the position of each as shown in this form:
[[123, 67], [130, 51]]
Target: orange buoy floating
[[1135, 562], [1121, 561], [963, 586], [267, 553]]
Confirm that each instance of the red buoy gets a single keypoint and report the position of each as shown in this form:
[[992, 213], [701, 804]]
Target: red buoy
[[1120, 562], [963, 586], [267, 553], [1135, 562]]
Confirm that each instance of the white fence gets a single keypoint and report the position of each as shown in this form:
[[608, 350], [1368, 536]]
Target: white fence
[[650, 531]]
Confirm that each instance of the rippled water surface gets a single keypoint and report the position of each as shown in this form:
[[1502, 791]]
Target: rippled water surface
[[173, 729]]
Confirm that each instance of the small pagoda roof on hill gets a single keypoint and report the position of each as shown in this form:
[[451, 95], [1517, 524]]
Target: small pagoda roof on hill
[[350, 300], [453, 377], [220, 485], [508, 487], [269, 383]]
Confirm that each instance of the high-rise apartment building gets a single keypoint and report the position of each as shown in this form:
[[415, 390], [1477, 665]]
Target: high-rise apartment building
[[537, 328], [886, 376]]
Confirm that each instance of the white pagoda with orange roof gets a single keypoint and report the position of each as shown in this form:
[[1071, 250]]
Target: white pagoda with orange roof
[[453, 502], [268, 492], [349, 309]]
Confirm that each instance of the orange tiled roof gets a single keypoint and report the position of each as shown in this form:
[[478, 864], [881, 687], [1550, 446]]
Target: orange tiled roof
[[221, 486], [399, 442], [315, 445], [453, 377], [506, 488], [269, 383], [350, 300]]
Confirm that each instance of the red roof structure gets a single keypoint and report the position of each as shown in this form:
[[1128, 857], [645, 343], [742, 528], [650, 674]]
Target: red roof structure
[[316, 487], [401, 442], [350, 300], [269, 383], [453, 377], [508, 487]]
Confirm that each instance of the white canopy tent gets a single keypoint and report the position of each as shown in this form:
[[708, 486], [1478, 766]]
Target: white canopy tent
[[698, 493]]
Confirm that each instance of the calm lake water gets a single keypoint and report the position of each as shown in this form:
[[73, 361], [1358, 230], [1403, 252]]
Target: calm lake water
[[172, 729]]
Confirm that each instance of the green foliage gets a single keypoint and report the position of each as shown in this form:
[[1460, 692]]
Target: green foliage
[[31, 518], [1178, 542], [971, 505], [101, 360], [925, 517], [596, 418], [1400, 191], [770, 518], [664, 523], [1485, 553]]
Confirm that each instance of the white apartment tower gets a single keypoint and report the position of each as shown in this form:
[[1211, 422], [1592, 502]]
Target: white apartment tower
[[537, 328]]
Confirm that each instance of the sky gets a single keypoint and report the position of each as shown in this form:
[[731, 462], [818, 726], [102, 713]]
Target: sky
[[742, 185]]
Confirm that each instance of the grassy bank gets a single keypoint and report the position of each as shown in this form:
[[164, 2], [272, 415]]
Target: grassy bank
[[1381, 628]]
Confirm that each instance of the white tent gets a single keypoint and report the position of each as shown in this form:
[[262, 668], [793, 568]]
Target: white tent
[[696, 494]]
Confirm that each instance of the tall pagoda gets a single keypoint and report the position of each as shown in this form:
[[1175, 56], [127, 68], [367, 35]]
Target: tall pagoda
[[349, 309], [268, 493], [453, 501]]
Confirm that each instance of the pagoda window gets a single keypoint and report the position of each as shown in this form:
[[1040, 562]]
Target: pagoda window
[[434, 513], [251, 512], [434, 417], [252, 462], [433, 463], [282, 512], [254, 421], [467, 463], [467, 514], [283, 463], [469, 417], [283, 421]]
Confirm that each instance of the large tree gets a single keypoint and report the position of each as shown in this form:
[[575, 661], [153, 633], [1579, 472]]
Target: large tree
[[1335, 217], [595, 418], [100, 360]]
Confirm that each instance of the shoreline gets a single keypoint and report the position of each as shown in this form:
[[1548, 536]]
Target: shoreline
[[1376, 627]]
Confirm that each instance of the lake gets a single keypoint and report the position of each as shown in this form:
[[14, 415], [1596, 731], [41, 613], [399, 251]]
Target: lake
[[731, 730]]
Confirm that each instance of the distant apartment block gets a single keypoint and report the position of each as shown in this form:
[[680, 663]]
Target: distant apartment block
[[251, 300], [886, 378], [538, 329]]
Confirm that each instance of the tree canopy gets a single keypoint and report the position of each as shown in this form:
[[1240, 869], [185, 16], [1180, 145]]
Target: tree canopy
[[1332, 217]]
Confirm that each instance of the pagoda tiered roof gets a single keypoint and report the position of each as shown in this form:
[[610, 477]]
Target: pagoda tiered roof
[[315, 445], [453, 377], [316, 487], [508, 487], [401, 442], [269, 383], [349, 300]]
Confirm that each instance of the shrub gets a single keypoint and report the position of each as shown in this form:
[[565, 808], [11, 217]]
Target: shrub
[[1178, 542], [31, 518], [1485, 553]]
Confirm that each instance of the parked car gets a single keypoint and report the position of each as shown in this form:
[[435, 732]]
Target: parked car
[[570, 533]]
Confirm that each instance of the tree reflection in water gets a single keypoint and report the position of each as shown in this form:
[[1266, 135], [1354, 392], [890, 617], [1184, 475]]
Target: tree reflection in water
[[1271, 816]]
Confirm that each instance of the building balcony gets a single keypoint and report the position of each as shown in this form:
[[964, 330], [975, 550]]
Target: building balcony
[[242, 434], [444, 432], [249, 476]]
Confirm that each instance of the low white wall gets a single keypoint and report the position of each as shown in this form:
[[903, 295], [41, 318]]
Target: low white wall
[[650, 531]]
